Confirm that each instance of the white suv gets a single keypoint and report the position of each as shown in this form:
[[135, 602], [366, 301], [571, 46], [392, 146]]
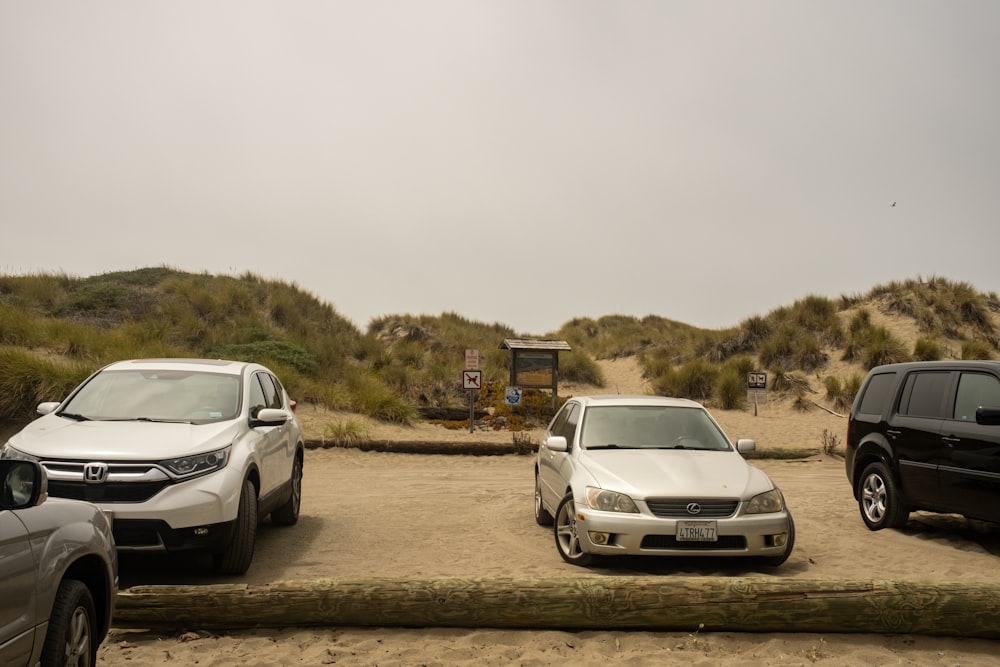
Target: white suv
[[186, 454]]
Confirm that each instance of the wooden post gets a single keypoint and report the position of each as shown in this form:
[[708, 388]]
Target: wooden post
[[734, 604]]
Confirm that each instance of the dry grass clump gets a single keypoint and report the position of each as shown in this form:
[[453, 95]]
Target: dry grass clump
[[346, 433]]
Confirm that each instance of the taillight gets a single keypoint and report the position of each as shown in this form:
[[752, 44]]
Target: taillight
[[292, 404]]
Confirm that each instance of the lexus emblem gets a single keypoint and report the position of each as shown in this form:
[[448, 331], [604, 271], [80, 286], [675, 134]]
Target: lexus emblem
[[693, 508], [95, 473]]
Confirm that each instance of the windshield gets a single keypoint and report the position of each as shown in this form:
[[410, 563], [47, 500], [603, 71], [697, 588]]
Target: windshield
[[181, 396], [650, 427]]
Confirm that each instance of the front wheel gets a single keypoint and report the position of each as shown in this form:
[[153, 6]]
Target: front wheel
[[236, 557], [70, 638], [567, 538], [879, 499]]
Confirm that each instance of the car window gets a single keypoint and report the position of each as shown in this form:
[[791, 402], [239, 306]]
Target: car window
[[975, 390], [257, 399], [568, 428], [924, 394], [272, 396], [876, 393], [158, 395], [653, 427]]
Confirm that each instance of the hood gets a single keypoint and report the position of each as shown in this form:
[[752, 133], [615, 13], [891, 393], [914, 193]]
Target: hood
[[52, 437], [643, 473]]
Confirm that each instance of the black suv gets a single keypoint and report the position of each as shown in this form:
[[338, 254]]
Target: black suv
[[926, 436]]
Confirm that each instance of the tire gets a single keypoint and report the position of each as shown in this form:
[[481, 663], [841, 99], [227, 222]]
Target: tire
[[236, 557], [542, 516], [880, 500], [70, 639], [775, 561], [567, 540], [288, 514]]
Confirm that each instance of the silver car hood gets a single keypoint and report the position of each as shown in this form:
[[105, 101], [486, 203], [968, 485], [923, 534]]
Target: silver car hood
[[643, 473], [52, 437]]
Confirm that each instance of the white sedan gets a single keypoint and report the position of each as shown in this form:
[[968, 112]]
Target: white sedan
[[654, 476]]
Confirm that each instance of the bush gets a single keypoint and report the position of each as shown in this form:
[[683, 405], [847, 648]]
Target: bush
[[977, 349], [694, 380], [927, 349], [731, 389]]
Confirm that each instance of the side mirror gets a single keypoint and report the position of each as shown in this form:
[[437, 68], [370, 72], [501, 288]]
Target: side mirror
[[47, 407], [24, 484], [988, 416], [745, 445], [556, 443], [269, 417]]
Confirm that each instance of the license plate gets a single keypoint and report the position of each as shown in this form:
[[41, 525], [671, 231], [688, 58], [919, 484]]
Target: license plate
[[696, 531]]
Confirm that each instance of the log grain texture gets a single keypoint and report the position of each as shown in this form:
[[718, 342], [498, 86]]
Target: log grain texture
[[735, 604]]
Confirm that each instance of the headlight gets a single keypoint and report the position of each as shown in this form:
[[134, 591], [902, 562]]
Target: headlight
[[199, 464], [9, 452], [765, 503], [609, 501]]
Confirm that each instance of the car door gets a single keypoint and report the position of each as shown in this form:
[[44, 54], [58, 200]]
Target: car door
[[553, 465], [970, 474], [18, 604], [915, 433], [275, 446]]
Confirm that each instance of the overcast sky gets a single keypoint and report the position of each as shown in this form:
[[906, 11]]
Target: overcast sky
[[522, 162]]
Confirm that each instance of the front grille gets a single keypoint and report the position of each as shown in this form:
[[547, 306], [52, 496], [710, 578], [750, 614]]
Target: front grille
[[116, 481], [672, 508], [109, 492], [724, 543]]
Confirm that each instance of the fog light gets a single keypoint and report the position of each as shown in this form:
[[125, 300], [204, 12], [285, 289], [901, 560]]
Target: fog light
[[201, 532], [779, 540], [599, 538]]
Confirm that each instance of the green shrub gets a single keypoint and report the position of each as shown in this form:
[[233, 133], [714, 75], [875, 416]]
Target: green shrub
[[694, 380], [977, 349], [30, 379], [882, 347], [731, 389], [927, 349]]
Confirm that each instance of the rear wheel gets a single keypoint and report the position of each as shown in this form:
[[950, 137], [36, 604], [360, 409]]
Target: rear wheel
[[567, 538], [879, 499], [288, 514], [236, 557], [70, 638], [542, 516]]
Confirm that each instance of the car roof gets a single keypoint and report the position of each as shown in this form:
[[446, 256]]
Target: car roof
[[954, 364], [204, 365], [637, 400]]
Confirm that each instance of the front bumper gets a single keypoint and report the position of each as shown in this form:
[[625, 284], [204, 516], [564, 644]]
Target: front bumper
[[619, 534]]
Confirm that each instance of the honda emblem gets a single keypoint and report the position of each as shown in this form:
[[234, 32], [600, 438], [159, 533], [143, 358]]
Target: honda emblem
[[95, 473]]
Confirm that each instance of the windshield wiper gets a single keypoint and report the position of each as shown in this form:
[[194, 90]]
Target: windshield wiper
[[610, 445], [154, 420], [72, 415]]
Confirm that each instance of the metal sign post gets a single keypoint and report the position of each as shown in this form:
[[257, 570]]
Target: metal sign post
[[757, 388], [472, 381]]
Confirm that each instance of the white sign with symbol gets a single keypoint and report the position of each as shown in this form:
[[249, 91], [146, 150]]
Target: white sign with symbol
[[472, 380], [512, 395]]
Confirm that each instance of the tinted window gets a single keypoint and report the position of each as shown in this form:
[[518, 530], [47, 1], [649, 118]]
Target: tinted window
[[569, 428], [876, 393], [560, 420], [923, 395], [271, 394], [257, 400], [975, 390]]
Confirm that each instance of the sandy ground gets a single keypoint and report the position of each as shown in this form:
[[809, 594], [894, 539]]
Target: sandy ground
[[370, 514]]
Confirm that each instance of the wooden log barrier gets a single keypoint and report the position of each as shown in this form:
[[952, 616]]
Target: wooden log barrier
[[738, 604]]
